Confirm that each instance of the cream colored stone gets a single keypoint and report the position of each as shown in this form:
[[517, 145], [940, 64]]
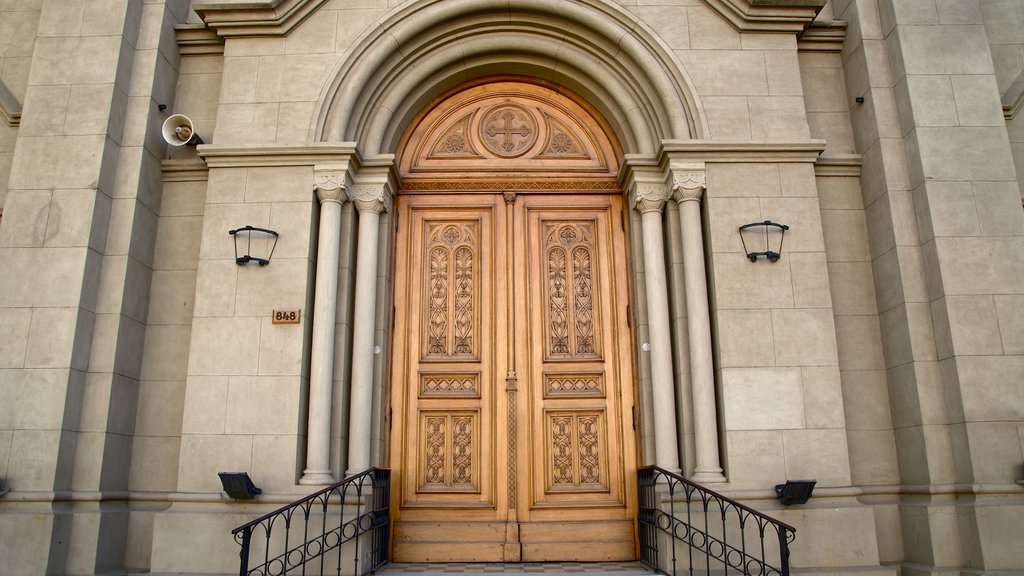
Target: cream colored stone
[[972, 325], [873, 461], [293, 122], [964, 273], [281, 348], [45, 110], [747, 72], [177, 243], [839, 193], [202, 456], [780, 117], [848, 544], [734, 273], [160, 408], [14, 332], [998, 209], [823, 397], [28, 213], [845, 235], [353, 21], [33, 461], [755, 459], [279, 184], [804, 337], [238, 84], [835, 129], [743, 180], [213, 354], [281, 284], [226, 186], [58, 338], [275, 460], [946, 209], [762, 398], [220, 218], [669, 22], [728, 116], [853, 292], [262, 405], [80, 161], [1010, 312], [246, 124], [824, 90], [818, 454], [154, 463], [315, 35], [986, 382], [205, 406], [859, 342], [215, 288], [725, 216], [292, 78], [709, 31], [166, 353], [810, 280], [745, 338], [172, 297]]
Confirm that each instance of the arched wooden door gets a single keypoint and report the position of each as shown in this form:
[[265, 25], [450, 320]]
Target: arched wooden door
[[512, 383]]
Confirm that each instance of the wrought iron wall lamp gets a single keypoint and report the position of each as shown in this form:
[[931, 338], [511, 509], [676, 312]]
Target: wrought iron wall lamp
[[238, 485], [773, 234], [247, 256]]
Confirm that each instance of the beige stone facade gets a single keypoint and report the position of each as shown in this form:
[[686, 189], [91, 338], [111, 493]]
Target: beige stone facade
[[882, 355]]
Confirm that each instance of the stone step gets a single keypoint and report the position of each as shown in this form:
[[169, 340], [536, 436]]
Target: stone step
[[525, 568]]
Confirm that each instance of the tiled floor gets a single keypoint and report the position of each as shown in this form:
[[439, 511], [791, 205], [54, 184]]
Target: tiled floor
[[589, 568]]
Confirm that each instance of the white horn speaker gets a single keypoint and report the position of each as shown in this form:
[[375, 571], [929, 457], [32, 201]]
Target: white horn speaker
[[179, 131]]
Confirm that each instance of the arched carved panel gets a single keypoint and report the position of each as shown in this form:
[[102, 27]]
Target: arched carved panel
[[451, 291], [509, 132]]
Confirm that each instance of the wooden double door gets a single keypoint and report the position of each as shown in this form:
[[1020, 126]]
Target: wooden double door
[[512, 435]]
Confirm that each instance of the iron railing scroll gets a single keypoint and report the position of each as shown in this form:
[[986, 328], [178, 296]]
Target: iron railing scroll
[[347, 522], [708, 533]]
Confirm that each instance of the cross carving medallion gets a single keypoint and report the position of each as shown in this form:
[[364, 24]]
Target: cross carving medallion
[[508, 131]]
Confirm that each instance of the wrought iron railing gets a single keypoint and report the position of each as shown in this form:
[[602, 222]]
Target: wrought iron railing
[[345, 522], [717, 535]]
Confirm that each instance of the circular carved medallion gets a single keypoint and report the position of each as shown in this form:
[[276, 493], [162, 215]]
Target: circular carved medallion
[[508, 131]]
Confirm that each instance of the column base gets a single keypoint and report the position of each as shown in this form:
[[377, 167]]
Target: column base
[[316, 478], [711, 476]]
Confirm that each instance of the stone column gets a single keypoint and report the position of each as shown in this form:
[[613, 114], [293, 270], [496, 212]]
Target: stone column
[[330, 189], [688, 188], [370, 201], [649, 199]]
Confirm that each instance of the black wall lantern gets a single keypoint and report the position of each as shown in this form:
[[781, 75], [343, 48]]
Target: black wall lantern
[[243, 236], [770, 231], [238, 485], [795, 491]]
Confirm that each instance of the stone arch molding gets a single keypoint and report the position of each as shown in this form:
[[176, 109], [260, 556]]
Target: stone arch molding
[[426, 48]]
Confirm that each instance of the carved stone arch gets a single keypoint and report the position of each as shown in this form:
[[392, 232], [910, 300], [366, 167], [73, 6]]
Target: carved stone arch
[[593, 47], [508, 132]]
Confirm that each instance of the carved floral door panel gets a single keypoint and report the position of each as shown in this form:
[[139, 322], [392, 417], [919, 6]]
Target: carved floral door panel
[[511, 386]]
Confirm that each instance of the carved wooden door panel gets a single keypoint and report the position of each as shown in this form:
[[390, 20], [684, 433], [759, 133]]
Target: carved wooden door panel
[[581, 455], [511, 435]]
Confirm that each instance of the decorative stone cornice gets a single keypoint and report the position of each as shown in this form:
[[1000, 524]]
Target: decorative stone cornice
[[255, 17], [772, 151], [768, 15], [649, 196], [826, 36], [688, 185], [1013, 100], [197, 39], [274, 155]]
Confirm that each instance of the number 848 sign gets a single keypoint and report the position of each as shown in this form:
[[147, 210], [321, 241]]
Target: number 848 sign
[[286, 316]]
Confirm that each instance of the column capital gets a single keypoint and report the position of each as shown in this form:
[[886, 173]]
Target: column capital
[[330, 186], [649, 197], [374, 198], [688, 185]]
